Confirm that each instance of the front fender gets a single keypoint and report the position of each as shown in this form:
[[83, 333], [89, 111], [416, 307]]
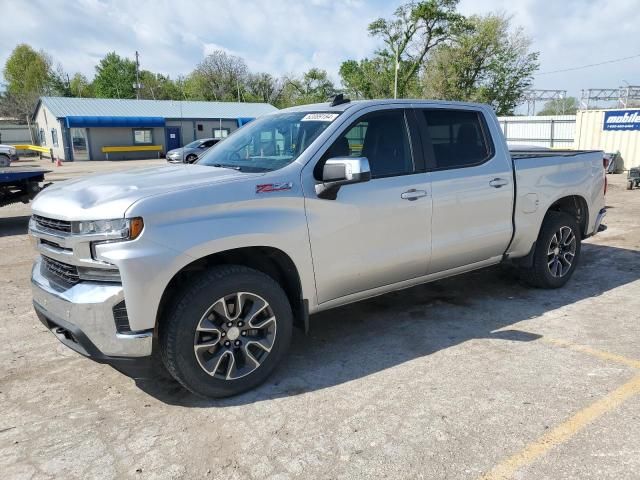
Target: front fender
[[173, 238]]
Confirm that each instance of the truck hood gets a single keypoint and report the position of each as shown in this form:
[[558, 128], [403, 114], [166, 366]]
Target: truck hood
[[110, 195]]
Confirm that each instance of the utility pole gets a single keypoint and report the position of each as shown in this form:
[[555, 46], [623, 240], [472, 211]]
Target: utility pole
[[395, 79], [137, 77]]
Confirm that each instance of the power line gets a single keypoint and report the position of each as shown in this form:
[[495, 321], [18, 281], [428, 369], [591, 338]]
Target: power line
[[588, 66]]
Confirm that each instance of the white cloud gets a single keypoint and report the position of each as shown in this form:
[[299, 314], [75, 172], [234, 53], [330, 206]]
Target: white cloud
[[291, 36]]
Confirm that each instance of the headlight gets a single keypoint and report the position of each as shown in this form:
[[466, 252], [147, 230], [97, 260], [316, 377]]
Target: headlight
[[119, 228]]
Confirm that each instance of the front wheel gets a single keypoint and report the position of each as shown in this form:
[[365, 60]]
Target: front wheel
[[557, 252], [4, 161], [226, 331], [191, 158]]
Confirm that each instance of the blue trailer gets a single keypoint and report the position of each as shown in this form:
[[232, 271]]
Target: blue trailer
[[20, 184]]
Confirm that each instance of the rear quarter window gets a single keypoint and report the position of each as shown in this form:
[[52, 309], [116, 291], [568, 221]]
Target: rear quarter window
[[459, 138]]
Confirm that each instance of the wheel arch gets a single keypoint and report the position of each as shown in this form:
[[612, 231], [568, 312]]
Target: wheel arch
[[574, 205], [269, 260]]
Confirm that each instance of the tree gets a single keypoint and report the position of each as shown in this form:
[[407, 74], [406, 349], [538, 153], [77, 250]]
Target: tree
[[367, 78], [158, 87], [80, 86], [417, 28], [220, 76], [491, 63], [263, 87], [115, 77], [28, 75], [315, 86], [560, 106]]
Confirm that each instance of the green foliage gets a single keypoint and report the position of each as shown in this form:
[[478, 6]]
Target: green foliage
[[415, 29], [115, 77], [80, 86], [156, 86], [367, 78], [491, 63], [28, 76], [219, 76], [27, 71], [263, 87], [561, 106]]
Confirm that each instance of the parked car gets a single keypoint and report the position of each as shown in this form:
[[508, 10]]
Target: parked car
[[211, 265], [8, 154], [191, 151]]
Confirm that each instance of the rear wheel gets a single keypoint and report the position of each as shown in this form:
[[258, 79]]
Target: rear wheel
[[556, 253], [226, 331], [630, 185]]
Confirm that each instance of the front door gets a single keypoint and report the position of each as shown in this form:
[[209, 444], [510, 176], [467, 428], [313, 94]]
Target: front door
[[173, 138], [472, 188], [374, 233]]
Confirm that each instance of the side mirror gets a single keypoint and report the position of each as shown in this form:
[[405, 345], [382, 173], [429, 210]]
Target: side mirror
[[341, 171]]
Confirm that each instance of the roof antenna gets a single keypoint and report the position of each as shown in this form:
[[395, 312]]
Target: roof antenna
[[339, 100]]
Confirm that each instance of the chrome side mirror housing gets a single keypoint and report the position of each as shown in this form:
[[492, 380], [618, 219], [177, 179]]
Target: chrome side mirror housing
[[341, 171]]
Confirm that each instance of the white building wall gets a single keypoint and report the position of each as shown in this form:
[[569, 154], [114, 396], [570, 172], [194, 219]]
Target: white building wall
[[47, 122]]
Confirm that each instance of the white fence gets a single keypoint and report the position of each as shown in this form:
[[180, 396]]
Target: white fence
[[12, 134], [554, 131]]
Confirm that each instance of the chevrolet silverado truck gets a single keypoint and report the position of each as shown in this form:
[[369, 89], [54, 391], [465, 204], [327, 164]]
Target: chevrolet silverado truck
[[208, 267]]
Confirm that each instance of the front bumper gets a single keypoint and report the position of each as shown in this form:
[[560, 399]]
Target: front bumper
[[81, 317]]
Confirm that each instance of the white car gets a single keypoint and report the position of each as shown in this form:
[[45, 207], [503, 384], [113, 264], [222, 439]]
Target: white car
[[8, 154]]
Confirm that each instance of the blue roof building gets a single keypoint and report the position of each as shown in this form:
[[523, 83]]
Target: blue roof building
[[91, 128]]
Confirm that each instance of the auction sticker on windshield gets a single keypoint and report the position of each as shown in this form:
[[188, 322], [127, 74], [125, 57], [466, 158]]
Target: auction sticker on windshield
[[319, 117]]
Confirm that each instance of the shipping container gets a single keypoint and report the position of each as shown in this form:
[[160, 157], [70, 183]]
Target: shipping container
[[621, 133]]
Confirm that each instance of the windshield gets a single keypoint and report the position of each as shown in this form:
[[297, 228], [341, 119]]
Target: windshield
[[193, 144], [268, 143]]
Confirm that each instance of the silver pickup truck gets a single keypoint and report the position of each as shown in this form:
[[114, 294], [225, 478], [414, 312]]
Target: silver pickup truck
[[209, 266]]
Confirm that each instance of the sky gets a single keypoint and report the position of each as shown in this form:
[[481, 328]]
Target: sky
[[291, 36]]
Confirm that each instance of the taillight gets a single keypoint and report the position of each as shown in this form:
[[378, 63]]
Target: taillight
[[605, 164]]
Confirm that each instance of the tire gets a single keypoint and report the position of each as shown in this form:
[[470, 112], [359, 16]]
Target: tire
[[4, 161], [191, 158], [557, 252], [196, 328], [630, 185]]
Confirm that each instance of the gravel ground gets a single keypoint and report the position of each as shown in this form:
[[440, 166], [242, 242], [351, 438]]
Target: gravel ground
[[472, 377]]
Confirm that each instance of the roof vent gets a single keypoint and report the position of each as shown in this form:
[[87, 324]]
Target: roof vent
[[339, 100]]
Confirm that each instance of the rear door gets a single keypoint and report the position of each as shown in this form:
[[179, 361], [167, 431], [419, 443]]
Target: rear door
[[374, 233], [472, 188]]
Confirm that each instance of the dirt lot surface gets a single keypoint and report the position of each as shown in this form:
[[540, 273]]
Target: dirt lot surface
[[472, 377]]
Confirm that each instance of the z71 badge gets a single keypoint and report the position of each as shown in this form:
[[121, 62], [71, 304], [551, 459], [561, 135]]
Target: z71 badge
[[273, 187]]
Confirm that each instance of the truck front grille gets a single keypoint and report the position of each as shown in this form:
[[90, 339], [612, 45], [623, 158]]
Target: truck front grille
[[56, 270], [52, 224]]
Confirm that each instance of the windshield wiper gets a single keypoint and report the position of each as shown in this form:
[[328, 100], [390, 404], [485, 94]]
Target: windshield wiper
[[232, 167]]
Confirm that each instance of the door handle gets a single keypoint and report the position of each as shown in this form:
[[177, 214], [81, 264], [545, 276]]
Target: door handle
[[413, 194], [498, 182]]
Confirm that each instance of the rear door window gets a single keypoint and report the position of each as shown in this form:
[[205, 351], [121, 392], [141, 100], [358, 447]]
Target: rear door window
[[459, 138]]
